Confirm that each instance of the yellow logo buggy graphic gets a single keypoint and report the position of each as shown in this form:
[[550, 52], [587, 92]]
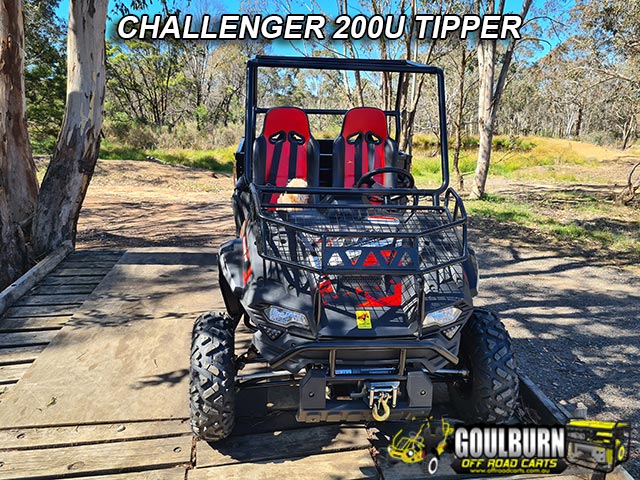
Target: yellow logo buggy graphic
[[363, 319], [427, 445]]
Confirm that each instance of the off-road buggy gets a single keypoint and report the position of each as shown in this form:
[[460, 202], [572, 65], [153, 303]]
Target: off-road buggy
[[362, 294]]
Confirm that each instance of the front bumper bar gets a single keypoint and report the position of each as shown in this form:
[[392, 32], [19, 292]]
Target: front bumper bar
[[403, 347]]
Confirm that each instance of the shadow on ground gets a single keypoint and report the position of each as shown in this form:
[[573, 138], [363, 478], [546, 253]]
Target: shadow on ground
[[573, 322]]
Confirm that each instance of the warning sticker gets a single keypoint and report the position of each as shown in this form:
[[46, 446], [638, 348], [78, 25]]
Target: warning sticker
[[363, 319]]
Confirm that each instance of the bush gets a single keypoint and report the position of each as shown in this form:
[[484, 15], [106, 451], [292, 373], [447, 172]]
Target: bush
[[425, 141], [603, 139], [512, 143], [43, 145], [184, 135], [141, 136], [134, 134], [188, 136], [428, 141], [227, 136]]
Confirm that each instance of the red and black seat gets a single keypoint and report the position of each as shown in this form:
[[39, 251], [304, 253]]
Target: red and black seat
[[363, 145], [285, 150]]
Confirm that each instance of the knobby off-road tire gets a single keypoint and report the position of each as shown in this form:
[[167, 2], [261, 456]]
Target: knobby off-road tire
[[212, 377], [231, 303], [491, 392]]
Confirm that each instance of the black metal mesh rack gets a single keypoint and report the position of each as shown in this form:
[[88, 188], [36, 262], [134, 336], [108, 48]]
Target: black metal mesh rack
[[414, 234]]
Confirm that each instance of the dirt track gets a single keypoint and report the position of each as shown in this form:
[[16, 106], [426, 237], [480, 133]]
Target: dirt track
[[574, 323]]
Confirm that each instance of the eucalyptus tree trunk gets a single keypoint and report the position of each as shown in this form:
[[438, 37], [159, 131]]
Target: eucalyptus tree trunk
[[627, 130], [460, 117], [13, 254], [18, 184], [67, 179], [486, 114], [489, 94]]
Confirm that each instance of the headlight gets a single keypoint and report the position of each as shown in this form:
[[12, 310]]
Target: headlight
[[442, 317], [286, 318]]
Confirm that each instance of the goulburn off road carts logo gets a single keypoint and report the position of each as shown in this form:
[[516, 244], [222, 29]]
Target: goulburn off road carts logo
[[515, 449], [509, 450]]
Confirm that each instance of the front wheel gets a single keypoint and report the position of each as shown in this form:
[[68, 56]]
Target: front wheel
[[490, 393], [212, 377], [431, 464]]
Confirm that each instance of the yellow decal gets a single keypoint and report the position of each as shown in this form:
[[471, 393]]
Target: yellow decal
[[363, 319]]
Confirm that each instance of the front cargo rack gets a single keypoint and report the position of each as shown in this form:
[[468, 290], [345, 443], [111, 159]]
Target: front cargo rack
[[339, 231]]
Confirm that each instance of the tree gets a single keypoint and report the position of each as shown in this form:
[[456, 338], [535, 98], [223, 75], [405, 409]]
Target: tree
[[610, 30], [613, 30], [44, 71], [146, 78], [462, 70], [490, 92], [67, 179], [18, 184]]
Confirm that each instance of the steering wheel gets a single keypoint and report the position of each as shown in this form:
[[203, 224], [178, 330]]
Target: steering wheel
[[404, 176], [405, 179]]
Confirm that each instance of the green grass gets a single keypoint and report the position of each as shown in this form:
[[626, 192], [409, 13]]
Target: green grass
[[112, 151], [218, 159], [501, 209], [547, 175], [510, 158], [580, 233]]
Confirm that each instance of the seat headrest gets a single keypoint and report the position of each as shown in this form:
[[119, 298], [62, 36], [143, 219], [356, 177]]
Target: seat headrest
[[365, 119], [286, 119]]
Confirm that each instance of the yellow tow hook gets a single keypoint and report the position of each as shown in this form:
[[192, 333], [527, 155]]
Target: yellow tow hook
[[383, 404]]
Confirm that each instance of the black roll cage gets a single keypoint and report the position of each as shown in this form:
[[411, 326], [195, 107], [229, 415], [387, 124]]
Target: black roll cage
[[318, 63]]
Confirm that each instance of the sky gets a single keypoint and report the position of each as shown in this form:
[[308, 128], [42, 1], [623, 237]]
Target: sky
[[229, 6], [328, 6]]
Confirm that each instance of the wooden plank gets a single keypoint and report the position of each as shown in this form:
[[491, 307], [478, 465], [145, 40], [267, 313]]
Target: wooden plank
[[129, 360], [108, 458], [83, 280], [27, 281], [20, 354], [12, 373], [284, 444], [38, 437], [22, 339], [64, 289], [350, 465], [177, 473], [34, 300], [8, 325], [619, 474], [4, 390], [95, 256], [79, 272], [88, 264], [42, 311]]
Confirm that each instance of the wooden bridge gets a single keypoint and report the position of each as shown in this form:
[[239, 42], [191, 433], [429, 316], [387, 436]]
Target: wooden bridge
[[94, 365]]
